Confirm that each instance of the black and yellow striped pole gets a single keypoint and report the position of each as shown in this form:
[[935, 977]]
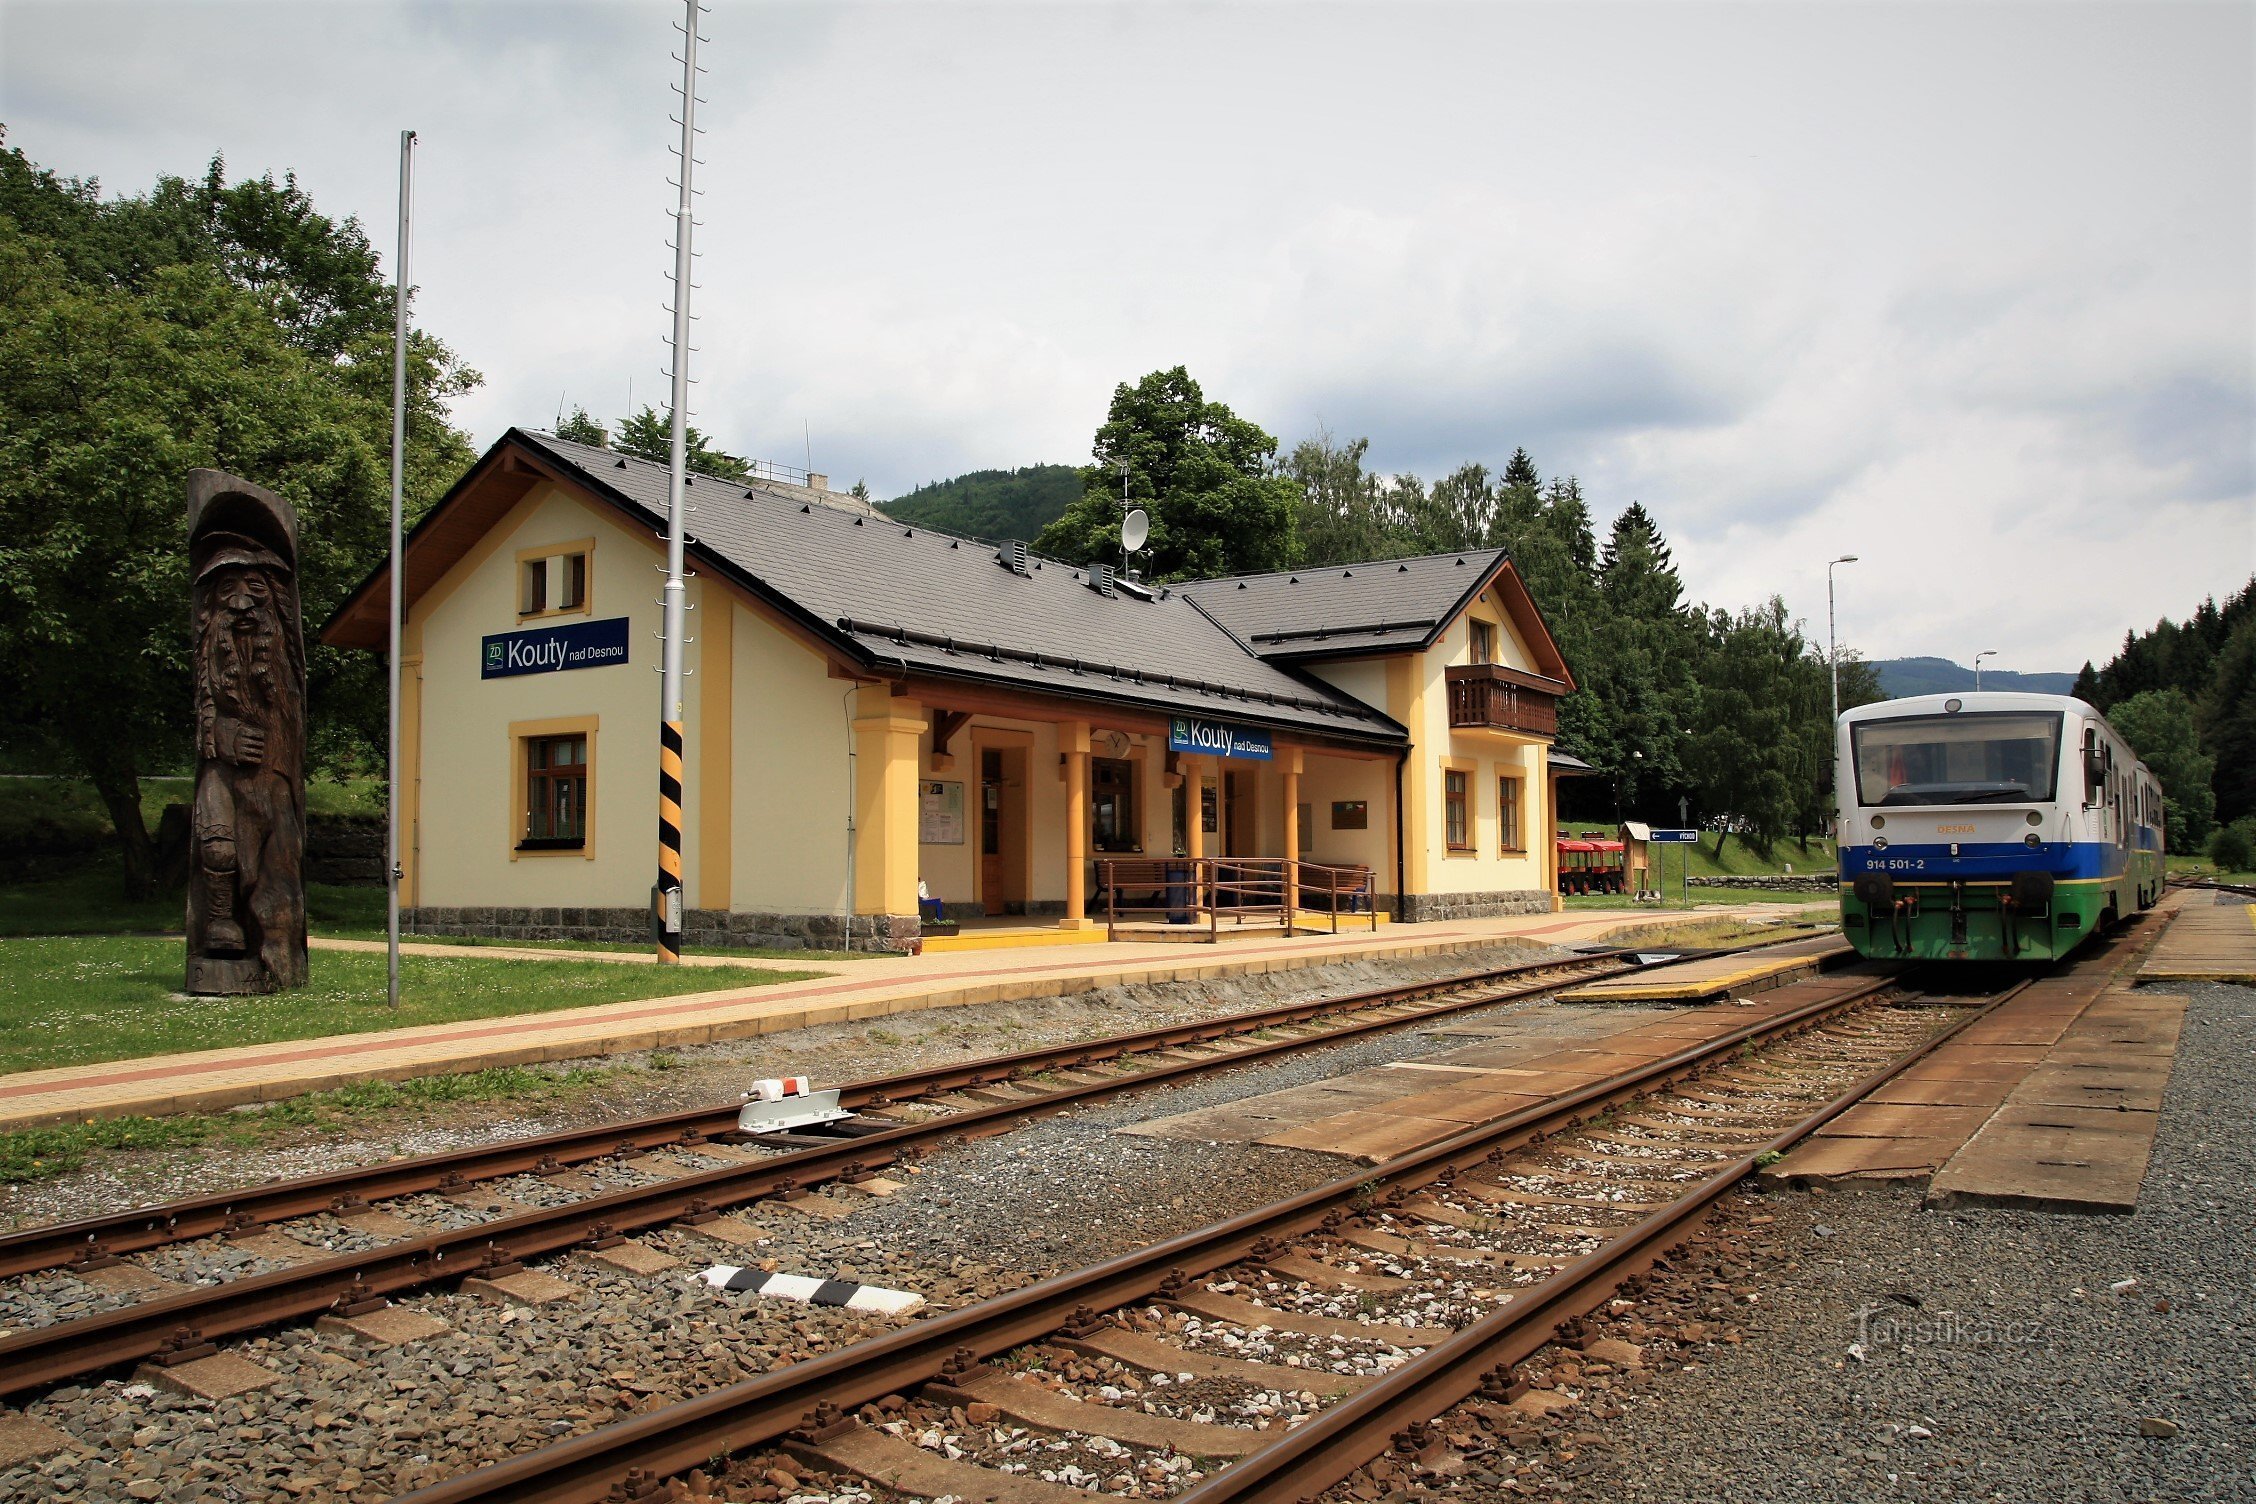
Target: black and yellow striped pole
[[666, 896], [669, 905]]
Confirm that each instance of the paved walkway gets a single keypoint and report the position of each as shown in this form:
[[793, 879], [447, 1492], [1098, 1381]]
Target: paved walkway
[[211, 1079]]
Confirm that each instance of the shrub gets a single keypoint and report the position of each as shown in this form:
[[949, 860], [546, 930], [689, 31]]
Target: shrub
[[2233, 847]]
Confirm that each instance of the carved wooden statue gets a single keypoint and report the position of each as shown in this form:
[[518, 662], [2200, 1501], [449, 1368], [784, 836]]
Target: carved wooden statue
[[246, 887]]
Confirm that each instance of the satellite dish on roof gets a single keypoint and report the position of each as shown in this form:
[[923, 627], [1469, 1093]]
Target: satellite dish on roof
[[1135, 528]]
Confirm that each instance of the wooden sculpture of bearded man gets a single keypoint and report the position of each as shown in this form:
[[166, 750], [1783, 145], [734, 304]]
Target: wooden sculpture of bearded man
[[246, 891]]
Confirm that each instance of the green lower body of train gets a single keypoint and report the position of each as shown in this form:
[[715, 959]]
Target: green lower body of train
[[1988, 921]]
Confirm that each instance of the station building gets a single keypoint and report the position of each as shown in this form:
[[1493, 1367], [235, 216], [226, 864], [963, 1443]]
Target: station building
[[874, 710]]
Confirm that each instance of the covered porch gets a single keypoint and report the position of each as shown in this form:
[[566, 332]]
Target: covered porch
[[1000, 815]]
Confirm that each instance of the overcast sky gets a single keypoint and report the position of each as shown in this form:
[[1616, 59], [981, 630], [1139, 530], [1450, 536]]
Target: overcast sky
[[1966, 290]]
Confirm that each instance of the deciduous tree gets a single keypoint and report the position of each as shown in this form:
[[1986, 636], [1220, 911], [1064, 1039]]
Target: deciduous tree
[[1209, 479], [200, 325]]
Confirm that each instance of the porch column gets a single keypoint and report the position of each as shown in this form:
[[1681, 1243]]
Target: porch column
[[1288, 762], [887, 733], [1549, 783], [1073, 741], [1194, 800]]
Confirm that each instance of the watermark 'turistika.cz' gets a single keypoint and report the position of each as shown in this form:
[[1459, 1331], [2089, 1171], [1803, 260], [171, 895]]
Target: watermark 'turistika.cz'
[[1898, 1327]]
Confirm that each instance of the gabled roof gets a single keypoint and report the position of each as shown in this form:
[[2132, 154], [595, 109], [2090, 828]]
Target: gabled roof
[[1363, 610], [889, 598]]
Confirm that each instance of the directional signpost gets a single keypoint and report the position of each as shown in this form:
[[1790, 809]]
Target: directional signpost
[[1680, 838]]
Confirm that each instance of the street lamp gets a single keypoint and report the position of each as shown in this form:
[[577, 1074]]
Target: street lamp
[[1978, 657], [1832, 651]]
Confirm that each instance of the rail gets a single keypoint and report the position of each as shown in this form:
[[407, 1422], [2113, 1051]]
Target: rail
[[586, 1468], [46, 1355], [1183, 890]]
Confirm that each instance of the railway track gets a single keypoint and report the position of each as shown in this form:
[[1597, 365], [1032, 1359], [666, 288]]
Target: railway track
[[1521, 1225], [677, 1168]]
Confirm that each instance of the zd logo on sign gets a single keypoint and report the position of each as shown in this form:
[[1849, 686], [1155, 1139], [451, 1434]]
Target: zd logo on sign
[[494, 655]]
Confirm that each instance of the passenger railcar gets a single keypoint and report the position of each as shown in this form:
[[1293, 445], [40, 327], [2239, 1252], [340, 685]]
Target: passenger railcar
[[1989, 827]]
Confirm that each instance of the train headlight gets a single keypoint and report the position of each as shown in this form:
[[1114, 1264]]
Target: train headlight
[[2036, 817], [1879, 822], [2032, 840], [1879, 843]]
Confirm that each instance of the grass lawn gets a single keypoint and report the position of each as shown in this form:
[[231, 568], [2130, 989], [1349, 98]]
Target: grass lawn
[[2201, 869], [75, 999], [28, 1154]]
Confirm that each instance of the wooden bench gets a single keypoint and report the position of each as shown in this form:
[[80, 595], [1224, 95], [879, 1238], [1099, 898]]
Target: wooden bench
[[1335, 888], [1157, 881]]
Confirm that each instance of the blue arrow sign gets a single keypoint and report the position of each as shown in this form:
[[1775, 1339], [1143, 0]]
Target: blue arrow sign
[[1676, 837]]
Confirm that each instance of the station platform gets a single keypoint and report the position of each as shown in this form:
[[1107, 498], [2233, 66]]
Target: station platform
[[850, 991], [1717, 976], [2209, 942], [2051, 1102]]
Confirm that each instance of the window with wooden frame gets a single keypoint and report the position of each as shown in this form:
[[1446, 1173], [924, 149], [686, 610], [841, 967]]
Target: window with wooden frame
[[1484, 641], [552, 580], [1508, 837], [1114, 824], [556, 793], [1456, 809]]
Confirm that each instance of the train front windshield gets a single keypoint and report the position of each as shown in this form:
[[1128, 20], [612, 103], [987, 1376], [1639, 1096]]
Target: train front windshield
[[1981, 757]]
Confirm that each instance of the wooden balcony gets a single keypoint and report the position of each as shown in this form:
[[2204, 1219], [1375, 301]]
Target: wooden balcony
[[1491, 697]]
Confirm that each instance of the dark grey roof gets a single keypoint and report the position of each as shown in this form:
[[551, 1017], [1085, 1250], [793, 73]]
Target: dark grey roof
[[937, 604], [1355, 608]]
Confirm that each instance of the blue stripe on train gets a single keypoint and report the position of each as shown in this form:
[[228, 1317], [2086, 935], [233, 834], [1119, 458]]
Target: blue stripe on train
[[2065, 860]]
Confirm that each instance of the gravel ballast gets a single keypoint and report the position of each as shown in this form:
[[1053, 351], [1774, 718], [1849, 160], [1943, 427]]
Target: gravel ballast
[[1900, 1353]]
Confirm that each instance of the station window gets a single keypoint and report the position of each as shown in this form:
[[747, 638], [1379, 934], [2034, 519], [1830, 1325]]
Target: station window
[[1457, 814], [552, 582], [1484, 642], [1508, 814], [556, 793], [1114, 825]]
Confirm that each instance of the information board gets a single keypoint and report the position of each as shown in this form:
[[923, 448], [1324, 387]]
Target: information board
[[940, 812]]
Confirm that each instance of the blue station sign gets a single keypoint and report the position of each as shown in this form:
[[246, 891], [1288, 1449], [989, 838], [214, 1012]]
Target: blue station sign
[[1217, 739], [548, 650], [1677, 837]]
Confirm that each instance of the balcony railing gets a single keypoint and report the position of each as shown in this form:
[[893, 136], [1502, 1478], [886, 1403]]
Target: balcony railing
[[1491, 697]]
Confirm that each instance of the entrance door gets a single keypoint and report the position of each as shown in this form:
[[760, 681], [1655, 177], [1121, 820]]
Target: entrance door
[[1238, 814], [1002, 830]]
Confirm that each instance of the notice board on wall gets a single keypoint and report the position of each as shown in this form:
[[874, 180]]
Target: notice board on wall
[[940, 812]]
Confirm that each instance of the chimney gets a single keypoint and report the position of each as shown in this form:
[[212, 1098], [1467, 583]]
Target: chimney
[[816, 481]]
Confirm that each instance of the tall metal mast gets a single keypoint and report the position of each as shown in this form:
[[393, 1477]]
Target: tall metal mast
[[399, 471], [667, 897]]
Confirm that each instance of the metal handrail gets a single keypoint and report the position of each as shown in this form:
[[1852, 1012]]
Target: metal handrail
[[1249, 886]]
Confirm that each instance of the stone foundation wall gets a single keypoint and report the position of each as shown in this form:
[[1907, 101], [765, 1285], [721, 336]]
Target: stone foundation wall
[[711, 928], [1817, 882], [1427, 908]]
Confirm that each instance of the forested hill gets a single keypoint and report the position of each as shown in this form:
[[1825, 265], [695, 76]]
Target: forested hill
[[1900, 677], [992, 503]]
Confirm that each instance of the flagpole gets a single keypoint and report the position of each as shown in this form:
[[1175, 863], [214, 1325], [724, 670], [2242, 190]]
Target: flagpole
[[399, 473], [667, 892]]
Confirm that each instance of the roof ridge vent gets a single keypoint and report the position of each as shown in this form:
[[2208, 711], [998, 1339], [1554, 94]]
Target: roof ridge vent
[[1101, 581], [1012, 556]]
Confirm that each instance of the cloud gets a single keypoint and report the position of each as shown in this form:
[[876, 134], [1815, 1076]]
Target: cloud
[[1963, 290]]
